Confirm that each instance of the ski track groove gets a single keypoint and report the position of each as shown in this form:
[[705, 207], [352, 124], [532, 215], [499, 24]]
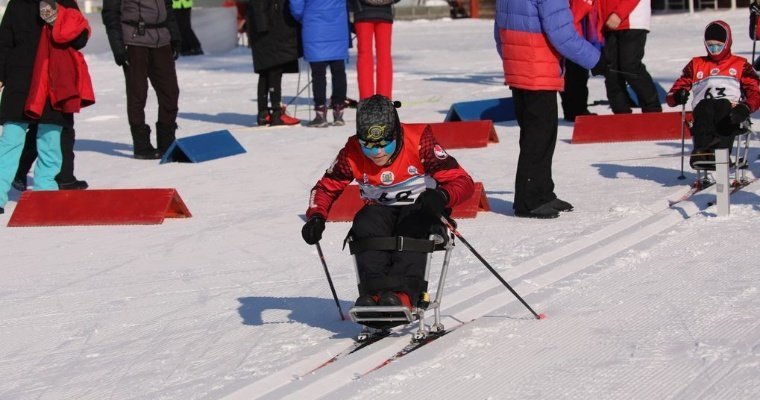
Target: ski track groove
[[541, 270]]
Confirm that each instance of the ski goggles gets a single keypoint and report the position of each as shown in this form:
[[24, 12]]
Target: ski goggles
[[372, 149]]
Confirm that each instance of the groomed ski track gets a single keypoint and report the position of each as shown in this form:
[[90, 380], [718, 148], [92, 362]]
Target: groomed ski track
[[478, 300]]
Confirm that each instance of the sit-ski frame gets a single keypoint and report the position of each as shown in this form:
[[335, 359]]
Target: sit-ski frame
[[402, 314], [739, 158]]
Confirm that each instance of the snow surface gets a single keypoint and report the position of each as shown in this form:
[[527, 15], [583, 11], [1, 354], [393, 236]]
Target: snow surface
[[643, 301]]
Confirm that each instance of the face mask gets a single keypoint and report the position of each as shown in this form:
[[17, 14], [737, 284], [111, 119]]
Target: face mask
[[715, 48]]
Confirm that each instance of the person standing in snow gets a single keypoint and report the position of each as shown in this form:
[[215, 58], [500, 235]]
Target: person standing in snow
[[183, 10], [531, 36], [325, 45], [39, 41], [145, 41], [726, 92], [65, 179], [275, 40], [373, 22], [626, 25], [575, 95], [407, 181]]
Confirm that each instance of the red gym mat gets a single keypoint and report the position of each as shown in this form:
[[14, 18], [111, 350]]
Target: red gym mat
[[629, 127], [97, 207], [463, 134]]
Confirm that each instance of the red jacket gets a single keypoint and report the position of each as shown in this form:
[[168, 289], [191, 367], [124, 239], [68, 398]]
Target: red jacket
[[60, 72], [634, 14], [419, 164]]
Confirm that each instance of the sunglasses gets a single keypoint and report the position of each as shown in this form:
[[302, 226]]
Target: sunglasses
[[373, 148]]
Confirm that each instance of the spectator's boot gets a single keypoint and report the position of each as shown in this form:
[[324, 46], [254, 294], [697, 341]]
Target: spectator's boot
[[19, 183], [287, 119], [262, 119], [143, 150], [74, 184], [320, 120], [337, 111], [165, 136]]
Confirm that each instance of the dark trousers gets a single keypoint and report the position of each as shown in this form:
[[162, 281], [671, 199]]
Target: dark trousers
[[29, 155], [536, 112], [189, 40], [157, 66], [270, 86], [575, 95], [624, 51], [381, 270], [319, 80], [712, 126]]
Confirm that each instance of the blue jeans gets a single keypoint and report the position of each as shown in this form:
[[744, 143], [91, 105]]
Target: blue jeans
[[48, 161]]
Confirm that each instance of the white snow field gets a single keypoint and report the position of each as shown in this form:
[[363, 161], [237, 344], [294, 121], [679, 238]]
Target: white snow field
[[643, 301]]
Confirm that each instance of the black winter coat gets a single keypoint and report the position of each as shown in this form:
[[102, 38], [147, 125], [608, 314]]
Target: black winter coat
[[113, 15], [274, 35], [19, 37], [366, 12]]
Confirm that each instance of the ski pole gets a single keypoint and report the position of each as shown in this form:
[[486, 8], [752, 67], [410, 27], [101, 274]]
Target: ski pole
[[329, 280], [683, 138], [493, 271]]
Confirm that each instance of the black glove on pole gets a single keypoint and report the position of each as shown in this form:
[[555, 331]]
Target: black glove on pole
[[681, 96], [312, 229], [433, 201], [739, 114], [601, 67]]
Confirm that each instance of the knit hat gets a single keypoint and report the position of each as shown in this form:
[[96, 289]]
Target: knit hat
[[377, 119], [715, 31]]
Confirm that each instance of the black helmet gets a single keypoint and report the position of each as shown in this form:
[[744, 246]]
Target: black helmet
[[377, 120]]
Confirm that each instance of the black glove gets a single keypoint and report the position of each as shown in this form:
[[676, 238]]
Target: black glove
[[739, 114], [433, 201], [122, 59], [601, 67], [312, 229], [681, 96], [176, 49]]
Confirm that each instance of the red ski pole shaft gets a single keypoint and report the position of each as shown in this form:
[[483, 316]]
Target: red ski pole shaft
[[493, 271]]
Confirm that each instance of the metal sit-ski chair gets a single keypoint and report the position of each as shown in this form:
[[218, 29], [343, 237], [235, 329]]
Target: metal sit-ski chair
[[381, 318], [738, 158]]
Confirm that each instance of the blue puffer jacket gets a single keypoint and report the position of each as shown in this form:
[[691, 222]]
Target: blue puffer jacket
[[324, 28], [532, 36]]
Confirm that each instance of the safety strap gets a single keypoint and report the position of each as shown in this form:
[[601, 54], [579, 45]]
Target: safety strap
[[395, 243]]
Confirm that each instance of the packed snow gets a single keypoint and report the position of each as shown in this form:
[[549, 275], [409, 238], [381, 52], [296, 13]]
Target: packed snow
[[643, 301]]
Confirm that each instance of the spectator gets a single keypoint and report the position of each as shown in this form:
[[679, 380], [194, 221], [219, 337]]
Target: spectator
[[575, 96], [626, 24], [373, 22], [725, 88], [30, 54], [183, 9], [65, 178], [407, 182], [274, 38], [325, 44], [534, 77], [145, 41]]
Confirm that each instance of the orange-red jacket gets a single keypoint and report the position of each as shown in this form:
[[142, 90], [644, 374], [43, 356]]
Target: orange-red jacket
[[419, 164], [60, 72]]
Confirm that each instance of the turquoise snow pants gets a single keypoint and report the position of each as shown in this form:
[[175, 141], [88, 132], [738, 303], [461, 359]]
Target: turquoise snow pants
[[48, 161]]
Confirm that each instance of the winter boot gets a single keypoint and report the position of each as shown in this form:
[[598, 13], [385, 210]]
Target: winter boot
[[143, 150], [263, 118], [561, 205], [73, 185], [165, 136], [365, 300], [337, 109], [19, 184], [395, 299], [287, 119], [275, 118], [545, 211], [1, 210], [320, 120]]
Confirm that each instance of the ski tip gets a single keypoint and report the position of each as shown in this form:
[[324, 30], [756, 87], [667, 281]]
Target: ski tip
[[542, 316]]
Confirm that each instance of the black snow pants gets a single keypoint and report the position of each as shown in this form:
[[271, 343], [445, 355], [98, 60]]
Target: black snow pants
[[624, 51], [712, 127]]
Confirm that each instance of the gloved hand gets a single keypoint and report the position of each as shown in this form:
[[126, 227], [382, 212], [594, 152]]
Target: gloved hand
[[739, 113], [48, 11], [176, 49], [122, 59], [313, 228], [755, 7], [433, 201], [681, 96], [601, 67]]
